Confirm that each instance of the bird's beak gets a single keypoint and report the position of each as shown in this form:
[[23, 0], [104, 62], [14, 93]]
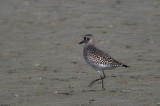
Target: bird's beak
[[81, 42]]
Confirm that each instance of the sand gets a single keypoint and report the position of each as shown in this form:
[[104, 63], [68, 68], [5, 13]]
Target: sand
[[41, 62]]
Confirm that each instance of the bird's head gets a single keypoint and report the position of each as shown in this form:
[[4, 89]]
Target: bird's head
[[87, 39]]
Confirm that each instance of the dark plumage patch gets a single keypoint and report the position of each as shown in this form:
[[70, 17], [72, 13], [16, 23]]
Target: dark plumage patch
[[125, 66]]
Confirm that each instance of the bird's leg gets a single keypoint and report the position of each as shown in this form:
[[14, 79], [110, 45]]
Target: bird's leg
[[94, 81], [102, 77]]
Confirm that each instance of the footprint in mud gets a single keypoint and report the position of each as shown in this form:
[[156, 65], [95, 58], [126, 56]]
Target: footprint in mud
[[65, 91]]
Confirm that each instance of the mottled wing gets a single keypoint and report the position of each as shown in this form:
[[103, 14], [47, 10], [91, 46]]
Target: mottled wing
[[111, 61], [93, 55], [98, 57]]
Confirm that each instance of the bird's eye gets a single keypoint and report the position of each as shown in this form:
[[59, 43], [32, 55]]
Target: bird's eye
[[85, 38]]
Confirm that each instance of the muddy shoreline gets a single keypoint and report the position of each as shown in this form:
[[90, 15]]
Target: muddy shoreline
[[42, 63]]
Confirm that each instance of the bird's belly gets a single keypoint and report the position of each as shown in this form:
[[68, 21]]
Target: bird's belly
[[97, 66]]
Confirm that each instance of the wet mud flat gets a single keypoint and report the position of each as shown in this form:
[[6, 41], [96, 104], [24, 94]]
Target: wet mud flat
[[41, 62]]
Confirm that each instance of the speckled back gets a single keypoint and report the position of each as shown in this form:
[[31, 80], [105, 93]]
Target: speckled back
[[98, 59]]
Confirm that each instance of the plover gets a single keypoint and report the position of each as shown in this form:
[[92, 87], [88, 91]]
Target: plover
[[98, 59]]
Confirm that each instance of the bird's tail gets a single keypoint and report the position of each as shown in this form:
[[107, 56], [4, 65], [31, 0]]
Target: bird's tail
[[125, 66]]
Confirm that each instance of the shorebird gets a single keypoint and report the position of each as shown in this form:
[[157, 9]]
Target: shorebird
[[98, 59]]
